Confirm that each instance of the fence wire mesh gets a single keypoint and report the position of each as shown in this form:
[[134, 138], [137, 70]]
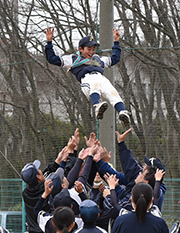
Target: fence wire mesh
[[41, 105]]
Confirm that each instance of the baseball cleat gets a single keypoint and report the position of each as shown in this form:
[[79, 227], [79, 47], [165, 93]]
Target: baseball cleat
[[100, 108], [124, 117]]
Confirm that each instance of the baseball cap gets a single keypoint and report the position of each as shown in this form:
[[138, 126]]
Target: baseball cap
[[56, 178], [88, 211], [139, 162], [154, 162], [88, 41], [29, 172], [62, 199]]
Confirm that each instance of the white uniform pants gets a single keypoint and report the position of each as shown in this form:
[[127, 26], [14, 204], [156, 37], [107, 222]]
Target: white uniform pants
[[98, 83]]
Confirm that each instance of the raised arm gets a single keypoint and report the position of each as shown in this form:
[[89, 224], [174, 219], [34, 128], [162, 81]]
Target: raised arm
[[39, 205], [104, 168], [51, 57], [74, 172], [158, 177], [62, 156], [129, 164]]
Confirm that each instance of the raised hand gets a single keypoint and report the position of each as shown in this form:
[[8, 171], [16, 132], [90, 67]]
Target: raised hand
[[47, 187], [91, 140], [93, 149], [83, 154], [121, 137], [97, 156], [71, 144], [159, 174], [78, 187], [106, 192], [112, 181], [49, 33], [105, 156], [63, 155], [77, 138], [101, 188], [116, 34]]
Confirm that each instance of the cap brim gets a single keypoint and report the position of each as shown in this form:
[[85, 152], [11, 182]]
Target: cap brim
[[146, 160], [159, 164], [37, 164], [139, 162], [60, 172], [91, 43]]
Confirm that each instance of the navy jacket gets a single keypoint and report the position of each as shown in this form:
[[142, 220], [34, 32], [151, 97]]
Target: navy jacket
[[130, 223], [31, 195]]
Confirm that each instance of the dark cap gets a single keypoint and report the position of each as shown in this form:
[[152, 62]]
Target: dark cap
[[56, 178], [88, 41], [139, 162], [154, 162], [88, 211], [62, 199], [30, 171]]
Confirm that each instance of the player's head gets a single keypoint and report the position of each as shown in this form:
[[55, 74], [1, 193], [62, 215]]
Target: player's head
[[87, 41], [59, 181], [63, 219], [87, 46], [142, 198], [63, 198], [153, 162], [88, 211], [147, 176], [97, 180], [31, 173]]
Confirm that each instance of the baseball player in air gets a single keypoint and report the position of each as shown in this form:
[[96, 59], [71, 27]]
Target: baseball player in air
[[88, 68]]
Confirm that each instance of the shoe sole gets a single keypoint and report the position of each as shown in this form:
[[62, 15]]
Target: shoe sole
[[124, 119], [102, 109]]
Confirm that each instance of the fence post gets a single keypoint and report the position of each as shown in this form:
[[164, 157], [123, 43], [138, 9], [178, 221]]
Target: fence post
[[23, 210]]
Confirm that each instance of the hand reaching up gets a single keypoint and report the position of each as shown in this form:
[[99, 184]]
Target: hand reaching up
[[63, 155], [116, 34], [47, 187], [121, 137], [93, 149], [49, 33], [71, 144], [159, 174], [112, 181], [91, 140], [78, 187], [77, 138], [83, 154]]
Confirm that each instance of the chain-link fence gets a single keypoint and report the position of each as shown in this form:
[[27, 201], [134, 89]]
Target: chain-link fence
[[12, 213], [41, 105]]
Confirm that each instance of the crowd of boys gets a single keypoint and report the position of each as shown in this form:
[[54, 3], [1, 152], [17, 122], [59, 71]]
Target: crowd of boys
[[89, 184]]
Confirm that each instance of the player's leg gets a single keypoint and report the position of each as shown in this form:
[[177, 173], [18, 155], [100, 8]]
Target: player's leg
[[100, 106], [90, 87], [110, 93]]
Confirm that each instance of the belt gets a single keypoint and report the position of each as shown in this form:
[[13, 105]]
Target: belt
[[94, 72]]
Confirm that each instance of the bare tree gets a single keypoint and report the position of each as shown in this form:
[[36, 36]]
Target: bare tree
[[24, 136], [150, 75]]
